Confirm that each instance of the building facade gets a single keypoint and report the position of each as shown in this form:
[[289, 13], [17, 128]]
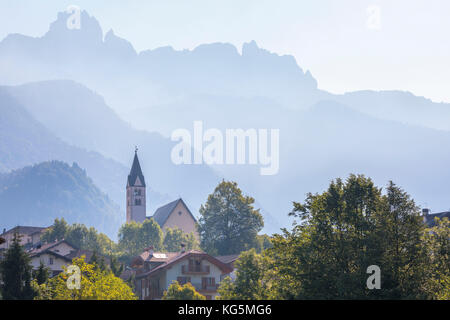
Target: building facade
[[57, 254], [155, 271]]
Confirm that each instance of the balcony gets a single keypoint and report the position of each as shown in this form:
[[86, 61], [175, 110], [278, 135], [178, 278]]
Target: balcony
[[199, 269], [205, 287]]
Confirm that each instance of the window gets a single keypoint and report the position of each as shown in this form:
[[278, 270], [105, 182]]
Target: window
[[183, 280], [180, 213], [50, 260], [208, 283], [137, 202]]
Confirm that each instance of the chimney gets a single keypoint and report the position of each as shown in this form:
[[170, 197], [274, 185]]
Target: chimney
[[183, 249], [150, 251], [425, 211]]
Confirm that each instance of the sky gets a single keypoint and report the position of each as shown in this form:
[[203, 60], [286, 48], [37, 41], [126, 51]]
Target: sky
[[347, 45]]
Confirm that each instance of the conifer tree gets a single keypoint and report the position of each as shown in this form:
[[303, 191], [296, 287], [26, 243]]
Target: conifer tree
[[41, 275], [15, 271]]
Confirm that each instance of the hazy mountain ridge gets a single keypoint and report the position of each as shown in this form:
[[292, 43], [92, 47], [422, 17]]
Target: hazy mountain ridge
[[382, 134], [36, 195], [81, 118], [25, 141], [152, 76]]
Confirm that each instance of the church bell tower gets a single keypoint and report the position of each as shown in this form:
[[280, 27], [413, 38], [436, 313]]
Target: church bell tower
[[136, 202]]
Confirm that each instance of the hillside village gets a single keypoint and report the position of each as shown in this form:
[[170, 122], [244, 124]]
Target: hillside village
[[153, 271]]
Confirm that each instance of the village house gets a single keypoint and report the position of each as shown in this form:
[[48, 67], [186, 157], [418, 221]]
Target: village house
[[175, 214], [155, 271], [57, 254], [29, 236]]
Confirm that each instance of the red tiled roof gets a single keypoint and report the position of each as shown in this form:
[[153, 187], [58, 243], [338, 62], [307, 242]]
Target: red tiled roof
[[48, 246], [224, 267]]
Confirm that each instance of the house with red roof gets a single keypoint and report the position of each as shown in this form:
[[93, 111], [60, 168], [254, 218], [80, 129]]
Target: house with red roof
[[155, 271]]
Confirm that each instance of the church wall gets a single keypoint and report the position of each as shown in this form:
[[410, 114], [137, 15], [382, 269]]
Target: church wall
[[183, 221]]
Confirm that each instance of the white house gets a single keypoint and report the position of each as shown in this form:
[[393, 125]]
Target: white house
[[155, 271], [58, 254]]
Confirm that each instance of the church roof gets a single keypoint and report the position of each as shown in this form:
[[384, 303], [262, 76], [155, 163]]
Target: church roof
[[135, 172], [162, 213]]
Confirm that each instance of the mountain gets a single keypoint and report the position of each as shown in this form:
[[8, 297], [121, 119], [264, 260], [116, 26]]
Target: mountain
[[25, 141], [386, 134], [36, 195], [81, 118], [129, 80], [399, 106]]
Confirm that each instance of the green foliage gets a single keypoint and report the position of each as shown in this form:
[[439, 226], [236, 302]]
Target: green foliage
[[96, 284], [41, 275], [174, 237], [437, 240], [263, 242], [98, 262], [15, 272], [185, 292], [229, 223], [116, 267], [56, 232], [135, 237], [250, 283], [80, 236], [343, 231]]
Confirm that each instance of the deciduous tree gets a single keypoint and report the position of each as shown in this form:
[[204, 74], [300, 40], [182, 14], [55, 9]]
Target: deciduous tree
[[185, 292], [229, 223]]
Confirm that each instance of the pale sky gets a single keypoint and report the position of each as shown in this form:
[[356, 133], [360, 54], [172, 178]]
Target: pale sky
[[342, 43]]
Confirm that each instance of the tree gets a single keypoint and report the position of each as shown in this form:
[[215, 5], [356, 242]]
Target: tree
[[185, 292], [174, 237], [251, 281], [228, 223], [56, 232], [98, 262], [95, 284], [15, 271], [437, 240], [135, 237], [80, 236], [264, 242], [343, 231], [116, 266], [41, 275], [399, 229]]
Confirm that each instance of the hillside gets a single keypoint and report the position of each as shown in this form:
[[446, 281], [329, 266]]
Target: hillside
[[81, 118], [36, 195], [25, 141]]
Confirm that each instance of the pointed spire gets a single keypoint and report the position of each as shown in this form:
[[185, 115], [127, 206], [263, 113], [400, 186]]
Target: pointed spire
[[136, 171]]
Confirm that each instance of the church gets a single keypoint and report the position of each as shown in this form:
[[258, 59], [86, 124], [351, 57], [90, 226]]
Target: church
[[175, 214]]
